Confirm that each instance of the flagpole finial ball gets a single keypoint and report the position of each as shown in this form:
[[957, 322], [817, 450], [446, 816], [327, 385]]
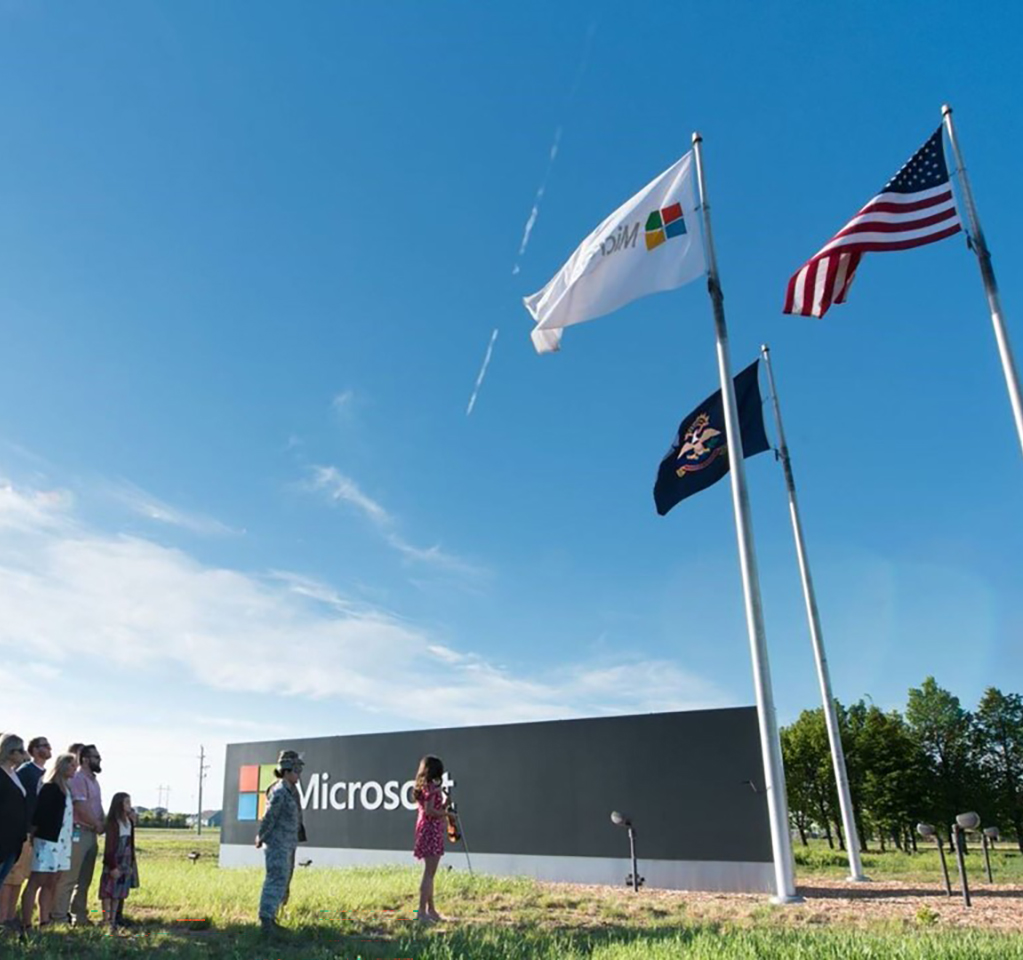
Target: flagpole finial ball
[[945, 109], [765, 349], [697, 138]]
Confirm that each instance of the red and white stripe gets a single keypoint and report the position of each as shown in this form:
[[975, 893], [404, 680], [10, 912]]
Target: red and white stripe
[[891, 221]]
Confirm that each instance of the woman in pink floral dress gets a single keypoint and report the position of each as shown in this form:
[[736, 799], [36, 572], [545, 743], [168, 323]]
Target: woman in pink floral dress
[[430, 829]]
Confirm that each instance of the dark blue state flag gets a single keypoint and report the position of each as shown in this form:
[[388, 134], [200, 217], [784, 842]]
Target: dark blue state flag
[[698, 456]]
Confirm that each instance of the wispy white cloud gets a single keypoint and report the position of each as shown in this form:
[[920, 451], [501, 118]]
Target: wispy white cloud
[[34, 510], [236, 725], [311, 588], [19, 452], [40, 671], [317, 592], [343, 489], [436, 557], [160, 745], [445, 653], [340, 488], [146, 505], [79, 601], [70, 591], [343, 404]]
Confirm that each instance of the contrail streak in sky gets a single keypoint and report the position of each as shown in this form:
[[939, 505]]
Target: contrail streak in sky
[[552, 156], [483, 372]]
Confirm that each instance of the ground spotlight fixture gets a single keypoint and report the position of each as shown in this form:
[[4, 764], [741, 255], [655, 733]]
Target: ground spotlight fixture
[[963, 822], [991, 836], [971, 822], [633, 880], [988, 836], [968, 821], [928, 832]]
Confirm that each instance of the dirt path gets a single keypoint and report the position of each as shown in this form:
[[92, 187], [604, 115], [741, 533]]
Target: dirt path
[[831, 902]]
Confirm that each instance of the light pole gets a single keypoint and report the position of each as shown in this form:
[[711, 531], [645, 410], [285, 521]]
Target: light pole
[[964, 822], [633, 880], [928, 832], [991, 835]]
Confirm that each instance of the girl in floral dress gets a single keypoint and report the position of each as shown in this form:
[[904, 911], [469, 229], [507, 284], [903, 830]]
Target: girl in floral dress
[[430, 828], [118, 858]]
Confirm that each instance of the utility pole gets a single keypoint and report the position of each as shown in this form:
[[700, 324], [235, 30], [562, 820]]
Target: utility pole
[[161, 799], [203, 767]]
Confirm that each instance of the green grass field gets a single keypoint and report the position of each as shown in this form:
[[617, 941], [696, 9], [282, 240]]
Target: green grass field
[[366, 913], [818, 859]]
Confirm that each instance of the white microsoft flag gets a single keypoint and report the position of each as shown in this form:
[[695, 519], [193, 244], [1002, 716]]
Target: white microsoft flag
[[652, 242]]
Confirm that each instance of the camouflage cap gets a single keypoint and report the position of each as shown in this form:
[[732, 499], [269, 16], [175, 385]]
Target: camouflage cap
[[290, 760]]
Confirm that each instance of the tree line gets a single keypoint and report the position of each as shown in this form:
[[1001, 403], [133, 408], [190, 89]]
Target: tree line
[[928, 764], [161, 818]]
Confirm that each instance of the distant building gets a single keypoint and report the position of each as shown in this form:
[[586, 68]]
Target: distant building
[[210, 818]]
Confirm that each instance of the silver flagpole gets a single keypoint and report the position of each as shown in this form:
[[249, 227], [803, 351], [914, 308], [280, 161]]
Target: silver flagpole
[[987, 273], [852, 839], [770, 743]]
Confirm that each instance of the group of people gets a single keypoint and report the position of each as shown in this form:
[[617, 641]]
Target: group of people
[[281, 830], [51, 822], [52, 818]]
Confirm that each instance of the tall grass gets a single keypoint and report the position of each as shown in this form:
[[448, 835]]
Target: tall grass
[[347, 914], [497, 943]]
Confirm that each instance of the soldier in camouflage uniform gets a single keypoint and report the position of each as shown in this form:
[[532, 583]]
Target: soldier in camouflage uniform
[[279, 834]]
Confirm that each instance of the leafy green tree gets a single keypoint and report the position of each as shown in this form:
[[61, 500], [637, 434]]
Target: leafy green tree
[[943, 731], [892, 772], [808, 776], [998, 725], [937, 761], [852, 721]]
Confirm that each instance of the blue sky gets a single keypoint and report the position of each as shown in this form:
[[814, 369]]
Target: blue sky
[[252, 257]]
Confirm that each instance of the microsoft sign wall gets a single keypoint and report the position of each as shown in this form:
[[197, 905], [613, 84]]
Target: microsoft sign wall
[[535, 798], [319, 793]]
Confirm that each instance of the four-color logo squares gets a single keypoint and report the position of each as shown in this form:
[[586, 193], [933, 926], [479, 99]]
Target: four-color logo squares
[[664, 224], [252, 783]]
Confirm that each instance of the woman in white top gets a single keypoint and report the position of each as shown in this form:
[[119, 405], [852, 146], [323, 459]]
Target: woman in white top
[[51, 843]]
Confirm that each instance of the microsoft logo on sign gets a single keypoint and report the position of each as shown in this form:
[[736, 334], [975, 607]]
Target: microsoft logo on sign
[[664, 224], [252, 783]]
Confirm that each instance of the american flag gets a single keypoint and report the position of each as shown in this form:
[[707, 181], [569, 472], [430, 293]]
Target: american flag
[[915, 207]]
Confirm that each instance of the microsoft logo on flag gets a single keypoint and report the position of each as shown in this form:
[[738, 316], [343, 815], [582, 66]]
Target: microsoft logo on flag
[[253, 779], [664, 224]]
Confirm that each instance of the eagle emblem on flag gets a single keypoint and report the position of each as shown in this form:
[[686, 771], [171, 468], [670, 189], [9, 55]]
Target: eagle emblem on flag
[[701, 446]]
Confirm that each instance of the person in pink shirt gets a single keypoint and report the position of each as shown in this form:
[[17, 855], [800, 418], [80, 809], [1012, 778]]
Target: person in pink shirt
[[71, 899]]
